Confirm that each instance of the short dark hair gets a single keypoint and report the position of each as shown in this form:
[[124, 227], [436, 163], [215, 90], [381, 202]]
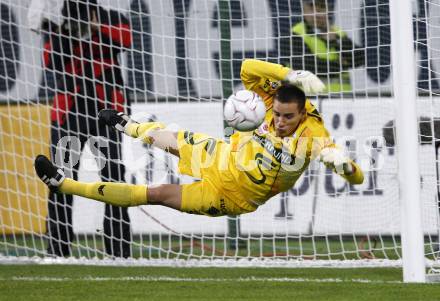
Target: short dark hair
[[287, 93]]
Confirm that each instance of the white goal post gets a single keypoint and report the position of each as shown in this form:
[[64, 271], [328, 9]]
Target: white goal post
[[405, 87], [183, 59]]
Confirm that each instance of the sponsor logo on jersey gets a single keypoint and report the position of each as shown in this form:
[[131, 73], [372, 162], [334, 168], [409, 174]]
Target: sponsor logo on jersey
[[263, 128], [280, 155], [270, 85]]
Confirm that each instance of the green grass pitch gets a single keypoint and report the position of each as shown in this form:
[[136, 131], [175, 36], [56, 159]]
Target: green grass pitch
[[58, 282]]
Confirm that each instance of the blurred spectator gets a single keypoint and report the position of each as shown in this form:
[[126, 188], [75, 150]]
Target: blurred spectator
[[82, 54], [321, 47]]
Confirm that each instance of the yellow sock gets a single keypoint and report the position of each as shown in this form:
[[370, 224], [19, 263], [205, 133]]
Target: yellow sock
[[141, 130], [117, 194]]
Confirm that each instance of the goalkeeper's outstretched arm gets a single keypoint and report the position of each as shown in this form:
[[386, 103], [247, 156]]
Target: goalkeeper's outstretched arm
[[334, 158], [355, 176], [255, 72]]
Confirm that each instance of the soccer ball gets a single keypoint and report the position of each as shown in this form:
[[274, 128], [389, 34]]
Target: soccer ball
[[244, 111]]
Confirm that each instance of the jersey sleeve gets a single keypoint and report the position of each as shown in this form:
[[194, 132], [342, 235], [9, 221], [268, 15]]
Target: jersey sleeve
[[263, 78], [357, 177], [253, 71], [312, 141]]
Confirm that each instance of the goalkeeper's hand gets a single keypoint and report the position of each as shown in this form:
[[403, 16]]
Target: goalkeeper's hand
[[334, 158], [306, 80]]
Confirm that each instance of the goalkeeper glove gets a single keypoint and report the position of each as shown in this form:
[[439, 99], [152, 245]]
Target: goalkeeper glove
[[308, 81], [117, 120], [335, 158]]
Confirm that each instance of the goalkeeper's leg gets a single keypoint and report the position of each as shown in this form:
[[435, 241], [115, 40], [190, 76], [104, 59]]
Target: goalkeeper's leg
[[116, 194], [153, 133], [202, 197]]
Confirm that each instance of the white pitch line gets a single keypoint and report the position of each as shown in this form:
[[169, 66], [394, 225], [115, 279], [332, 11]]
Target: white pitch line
[[183, 279]]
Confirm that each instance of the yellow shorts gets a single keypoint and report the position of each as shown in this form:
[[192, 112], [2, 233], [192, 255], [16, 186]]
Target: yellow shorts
[[203, 157]]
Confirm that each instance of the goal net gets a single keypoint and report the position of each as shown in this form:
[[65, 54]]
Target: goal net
[[183, 60]]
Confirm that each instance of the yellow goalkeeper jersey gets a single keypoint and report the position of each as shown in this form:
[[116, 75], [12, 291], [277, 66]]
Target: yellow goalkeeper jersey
[[263, 163]]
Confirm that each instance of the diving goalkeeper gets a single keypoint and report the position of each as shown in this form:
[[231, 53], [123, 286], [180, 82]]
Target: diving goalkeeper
[[236, 177]]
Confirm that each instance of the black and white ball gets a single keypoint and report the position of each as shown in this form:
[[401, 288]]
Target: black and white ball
[[244, 111]]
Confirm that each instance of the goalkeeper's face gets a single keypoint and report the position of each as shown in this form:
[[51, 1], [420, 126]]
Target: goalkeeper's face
[[287, 116]]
